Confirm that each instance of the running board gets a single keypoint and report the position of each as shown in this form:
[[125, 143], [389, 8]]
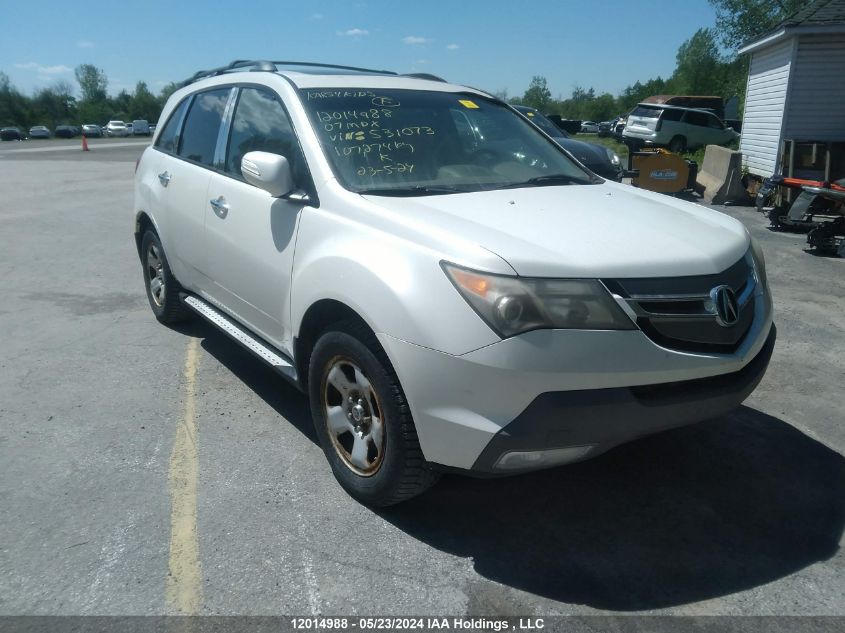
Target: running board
[[276, 360]]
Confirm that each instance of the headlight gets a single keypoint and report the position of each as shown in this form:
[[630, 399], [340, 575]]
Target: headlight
[[613, 156], [759, 262], [511, 305]]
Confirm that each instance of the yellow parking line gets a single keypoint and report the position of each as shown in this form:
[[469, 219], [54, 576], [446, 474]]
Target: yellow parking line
[[183, 593]]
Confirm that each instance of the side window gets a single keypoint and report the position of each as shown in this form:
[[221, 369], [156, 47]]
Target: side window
[[714, 122], [168, 140], [199, 134], [696, 118], [672, 115], [260, 123]]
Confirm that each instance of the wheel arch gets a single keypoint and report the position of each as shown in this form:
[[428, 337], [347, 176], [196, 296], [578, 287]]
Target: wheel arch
[[319, 317], [144, 221]]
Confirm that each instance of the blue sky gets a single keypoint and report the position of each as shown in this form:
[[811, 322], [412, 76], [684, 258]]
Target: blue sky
[[492, 44]]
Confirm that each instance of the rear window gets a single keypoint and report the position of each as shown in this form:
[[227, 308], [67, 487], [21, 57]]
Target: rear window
[[647, 112]]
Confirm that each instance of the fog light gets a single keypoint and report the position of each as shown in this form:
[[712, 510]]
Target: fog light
[[531, 460]]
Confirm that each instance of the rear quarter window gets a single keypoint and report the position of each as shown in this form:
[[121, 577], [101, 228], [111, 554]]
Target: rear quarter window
[[168, 140]]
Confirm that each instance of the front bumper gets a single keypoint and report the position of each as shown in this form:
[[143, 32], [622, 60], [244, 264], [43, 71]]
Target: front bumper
[[595, 420], [566, 388]]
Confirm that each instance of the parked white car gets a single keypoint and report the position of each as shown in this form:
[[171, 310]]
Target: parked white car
[[116, 128], [676, 128], [449, 287], [589, 127]]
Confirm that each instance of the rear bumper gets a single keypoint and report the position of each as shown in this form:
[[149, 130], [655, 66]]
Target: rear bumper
[[595, 420]]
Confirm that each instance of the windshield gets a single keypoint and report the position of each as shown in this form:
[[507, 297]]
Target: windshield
[[415, 142]]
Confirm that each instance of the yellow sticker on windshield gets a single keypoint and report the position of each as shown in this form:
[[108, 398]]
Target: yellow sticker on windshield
[[530, 113], [467, 103]]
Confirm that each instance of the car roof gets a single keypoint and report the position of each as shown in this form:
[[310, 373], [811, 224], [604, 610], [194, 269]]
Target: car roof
[[664, 106], [319, 75]]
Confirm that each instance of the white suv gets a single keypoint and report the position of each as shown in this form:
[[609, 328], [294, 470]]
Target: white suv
[[116, 128], [451, 289], [677, 128]]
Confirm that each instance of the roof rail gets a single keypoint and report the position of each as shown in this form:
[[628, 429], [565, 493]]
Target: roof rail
[[335, 66], [271, 66], [428, 76], [237, 64]]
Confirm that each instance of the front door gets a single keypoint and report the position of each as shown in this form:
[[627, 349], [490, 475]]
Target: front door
[[249, 235]]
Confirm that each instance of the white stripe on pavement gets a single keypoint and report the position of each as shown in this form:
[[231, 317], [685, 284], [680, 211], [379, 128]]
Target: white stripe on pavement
[[75, 148]]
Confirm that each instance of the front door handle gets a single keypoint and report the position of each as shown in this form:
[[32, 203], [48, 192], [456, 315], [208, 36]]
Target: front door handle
[[220, 207], [164, 178]]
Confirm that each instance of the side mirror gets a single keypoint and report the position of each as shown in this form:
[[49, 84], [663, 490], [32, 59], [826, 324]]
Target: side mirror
[[267, 171]]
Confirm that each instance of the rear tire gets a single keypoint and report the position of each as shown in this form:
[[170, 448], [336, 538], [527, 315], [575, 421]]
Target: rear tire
[[362, 418], [162, 288], [678, 145]]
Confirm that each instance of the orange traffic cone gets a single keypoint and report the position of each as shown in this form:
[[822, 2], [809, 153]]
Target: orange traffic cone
[[84, 143]]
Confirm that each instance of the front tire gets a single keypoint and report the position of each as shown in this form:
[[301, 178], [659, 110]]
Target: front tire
[[162, 288], [362, 418]]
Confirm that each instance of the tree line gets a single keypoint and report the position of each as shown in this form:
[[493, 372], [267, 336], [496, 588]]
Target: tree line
[[705, 64], [57, 103]]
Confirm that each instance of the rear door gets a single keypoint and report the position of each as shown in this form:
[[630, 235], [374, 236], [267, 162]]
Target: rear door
[[185, 175], [249, 235], [696, 127], [643, 119]]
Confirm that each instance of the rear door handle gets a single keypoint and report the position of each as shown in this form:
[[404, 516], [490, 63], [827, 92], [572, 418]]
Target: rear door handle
[[164, 178], [220, 207]]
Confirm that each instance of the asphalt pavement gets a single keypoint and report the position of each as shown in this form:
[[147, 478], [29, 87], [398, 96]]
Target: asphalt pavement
[[109, 422]]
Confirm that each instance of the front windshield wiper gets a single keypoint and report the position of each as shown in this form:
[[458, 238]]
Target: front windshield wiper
[[551, 179], [417, 190]]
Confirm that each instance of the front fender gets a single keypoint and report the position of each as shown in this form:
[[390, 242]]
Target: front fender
[[395, 284]]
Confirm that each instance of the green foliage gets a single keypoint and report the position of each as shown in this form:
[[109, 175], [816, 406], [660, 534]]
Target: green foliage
[[92, 83], [538, 94], [57, 105], [14, 107], [698, 70], [740, 21], [143, 104], [53, 106]]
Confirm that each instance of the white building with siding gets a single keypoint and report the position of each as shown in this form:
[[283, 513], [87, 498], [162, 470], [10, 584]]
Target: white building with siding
[[796, 85]]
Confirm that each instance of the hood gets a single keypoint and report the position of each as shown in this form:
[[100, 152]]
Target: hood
[[607, 230], [587, 153]]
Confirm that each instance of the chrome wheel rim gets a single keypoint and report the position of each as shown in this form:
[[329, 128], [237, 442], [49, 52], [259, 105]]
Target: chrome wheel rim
[[155, 274], [353, 416]]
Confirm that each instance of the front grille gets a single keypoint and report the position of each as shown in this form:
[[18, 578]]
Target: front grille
[[678, 313]]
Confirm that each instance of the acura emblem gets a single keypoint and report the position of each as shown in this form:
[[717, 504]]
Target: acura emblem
[[725, 306]]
